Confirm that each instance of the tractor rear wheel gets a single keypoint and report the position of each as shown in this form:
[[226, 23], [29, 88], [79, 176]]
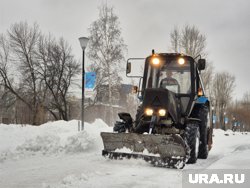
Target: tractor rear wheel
[[201, 112], [203, 116], [193, 141]]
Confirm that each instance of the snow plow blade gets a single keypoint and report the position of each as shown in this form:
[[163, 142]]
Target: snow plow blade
[[160, 150]]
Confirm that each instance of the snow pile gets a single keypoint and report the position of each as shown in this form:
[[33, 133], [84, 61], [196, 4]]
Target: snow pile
[[78, 143], [56, 155], [51, 144], [50, 138], [45, 144]]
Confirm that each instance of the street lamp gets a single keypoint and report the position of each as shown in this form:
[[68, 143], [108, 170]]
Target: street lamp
[[233, 124], [213, 119], [224, 122], [83, 43]]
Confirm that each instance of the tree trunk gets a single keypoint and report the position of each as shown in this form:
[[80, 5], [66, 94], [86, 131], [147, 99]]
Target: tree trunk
[[110, 102]]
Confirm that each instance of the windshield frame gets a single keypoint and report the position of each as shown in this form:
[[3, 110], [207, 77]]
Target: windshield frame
[[193, 73], [154, 74]]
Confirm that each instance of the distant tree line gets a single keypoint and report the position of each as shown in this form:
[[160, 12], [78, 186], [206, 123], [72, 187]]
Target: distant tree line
[[239, 111], [219, 86]]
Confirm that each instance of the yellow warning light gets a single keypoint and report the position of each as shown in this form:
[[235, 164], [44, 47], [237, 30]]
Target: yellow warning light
[[200, 92]]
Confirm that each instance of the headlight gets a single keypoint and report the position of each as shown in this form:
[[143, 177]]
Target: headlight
[[156, 61], [181, 61], [149, 111], [162, 112]]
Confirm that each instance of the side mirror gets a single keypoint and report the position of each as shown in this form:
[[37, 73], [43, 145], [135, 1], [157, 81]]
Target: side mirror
[[128, 70], [201, 64], [134, 89]]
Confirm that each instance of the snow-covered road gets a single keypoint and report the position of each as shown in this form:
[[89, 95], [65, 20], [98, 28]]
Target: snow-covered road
[[57, 155]]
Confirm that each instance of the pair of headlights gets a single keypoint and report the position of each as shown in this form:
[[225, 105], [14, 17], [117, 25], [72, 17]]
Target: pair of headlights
[[150, 111], [156, 61]]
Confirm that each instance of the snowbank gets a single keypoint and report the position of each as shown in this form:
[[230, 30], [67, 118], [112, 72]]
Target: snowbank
[[50, 138], [56, 155]]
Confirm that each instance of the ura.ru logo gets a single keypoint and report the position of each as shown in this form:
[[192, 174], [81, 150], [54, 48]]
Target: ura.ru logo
[[216, 179]]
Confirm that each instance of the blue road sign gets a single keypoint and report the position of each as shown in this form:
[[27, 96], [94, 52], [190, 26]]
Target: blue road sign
[[90, 80], [226, 120]]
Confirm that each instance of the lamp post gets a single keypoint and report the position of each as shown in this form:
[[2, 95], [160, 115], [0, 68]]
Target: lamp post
[[224, 122], [83, 43], [233, 124], [213, 119]]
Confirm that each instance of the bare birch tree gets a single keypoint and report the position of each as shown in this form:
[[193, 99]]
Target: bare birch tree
[[106, 51], [190, 41]]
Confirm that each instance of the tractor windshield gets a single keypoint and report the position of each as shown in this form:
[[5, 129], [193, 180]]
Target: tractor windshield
[[171, 76]]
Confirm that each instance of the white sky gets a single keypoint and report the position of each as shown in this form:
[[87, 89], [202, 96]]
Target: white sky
[[146, 25]]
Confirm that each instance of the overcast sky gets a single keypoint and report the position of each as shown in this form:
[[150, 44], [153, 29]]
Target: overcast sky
[[146, 25]]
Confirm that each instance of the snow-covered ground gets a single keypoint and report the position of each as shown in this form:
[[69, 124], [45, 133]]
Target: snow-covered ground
[[56, 155]]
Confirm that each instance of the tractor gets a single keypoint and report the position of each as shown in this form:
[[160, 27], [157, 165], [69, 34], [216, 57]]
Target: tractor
[[172, 125]]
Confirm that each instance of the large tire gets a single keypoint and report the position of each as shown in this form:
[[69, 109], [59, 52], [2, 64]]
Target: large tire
[[139, 113], [193, 140], [138, 116], [203, 116]]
